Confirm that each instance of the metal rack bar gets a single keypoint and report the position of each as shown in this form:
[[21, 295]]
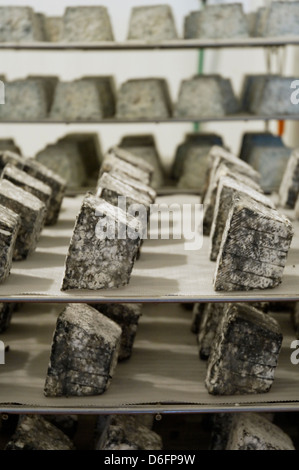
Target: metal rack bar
[[153, 409], [172, 120], [165, 45]]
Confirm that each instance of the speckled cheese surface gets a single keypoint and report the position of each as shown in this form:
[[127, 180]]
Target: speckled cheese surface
[[144, 99], [238, 367], [244, 262], [125, 433], [86, 24], [35, 433], [289, 188], [152, 23], [227, 189], [28, 183], [96, 263], [84, 353], [127, 317], [250, 431], [42, 173], [206, 96], [19, 24], [217, 22], [32, 212]]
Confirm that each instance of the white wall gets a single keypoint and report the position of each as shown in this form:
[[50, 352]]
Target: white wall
[[175, 65]]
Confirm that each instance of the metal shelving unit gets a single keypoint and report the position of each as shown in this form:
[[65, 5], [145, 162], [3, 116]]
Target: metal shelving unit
[[24, 281]]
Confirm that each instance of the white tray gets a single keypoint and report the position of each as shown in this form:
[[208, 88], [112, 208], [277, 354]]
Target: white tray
[[163, 374], [165, 271]]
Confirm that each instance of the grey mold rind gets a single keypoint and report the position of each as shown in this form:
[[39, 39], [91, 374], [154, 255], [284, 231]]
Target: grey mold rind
[[197, 313], [217, 156], [32, 212], [42, 173], [120, 189], [127, 317], [19, 24], [124, 432], [227, 189], [229, 274], [250, 369], [96, 263], [217, 22], [289, 188], [196, 139], [86, 24], [135, 184], [206, 96], [144, 98], [84, 353], [64, 159], [6, 311], [28, 183], [281, 19], [271, 95], [211, 193], [251, 431], [152, 23], [36, 433], [208, 328], [114, 164], [25, 100], [144, 148], [129, 157]]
